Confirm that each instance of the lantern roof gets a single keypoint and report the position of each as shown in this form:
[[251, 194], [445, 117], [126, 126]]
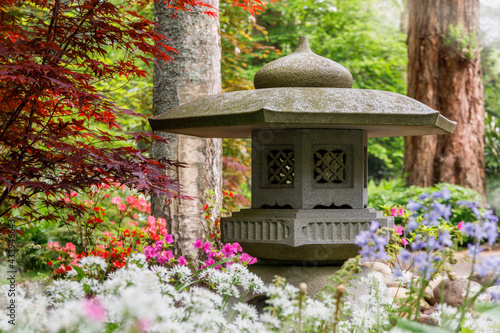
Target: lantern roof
[[303, 90]]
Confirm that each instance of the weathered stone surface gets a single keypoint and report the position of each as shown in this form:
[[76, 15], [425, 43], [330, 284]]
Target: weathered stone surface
[[380, 267], [237, 114], [487, 278], [303, 68], [429, 295], [313, 235], [309, 169], [493, 292], [454, 291], [401, 293], [427, 320]]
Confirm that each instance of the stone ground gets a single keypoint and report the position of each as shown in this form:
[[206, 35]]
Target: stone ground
[[463, 266]]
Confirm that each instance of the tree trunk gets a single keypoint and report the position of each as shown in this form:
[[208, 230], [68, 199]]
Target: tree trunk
[[194, 73], [444, 72]]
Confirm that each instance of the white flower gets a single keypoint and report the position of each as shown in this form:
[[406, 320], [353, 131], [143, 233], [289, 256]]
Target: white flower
[[65, 290], [93, 264]]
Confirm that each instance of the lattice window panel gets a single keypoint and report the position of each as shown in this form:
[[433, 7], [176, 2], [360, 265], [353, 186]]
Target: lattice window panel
[[280, 167], [329, 166]]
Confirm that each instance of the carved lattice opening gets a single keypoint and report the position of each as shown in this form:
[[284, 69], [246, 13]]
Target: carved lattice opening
[[329, 166], [280, 167]]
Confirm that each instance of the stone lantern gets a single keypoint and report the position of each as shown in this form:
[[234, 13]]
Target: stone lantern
[[309, 132]]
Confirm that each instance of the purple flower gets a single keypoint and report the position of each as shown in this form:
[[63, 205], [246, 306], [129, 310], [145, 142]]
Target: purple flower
[[468, 229], [488, 215], [491, 231], [169, 239], [405, 257], [431, 219], [468, 204], [374, 225], [423, 196], [362, 238], [445, 239], [413, 206], [474, 249], [412, 225], [444, 194], [442, 210]]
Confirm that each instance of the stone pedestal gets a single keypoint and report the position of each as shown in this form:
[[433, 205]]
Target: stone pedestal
[[315, 235], [309, 197]]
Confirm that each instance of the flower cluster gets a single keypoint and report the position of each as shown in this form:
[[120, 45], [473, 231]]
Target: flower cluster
[[228, 251], [372, 243]]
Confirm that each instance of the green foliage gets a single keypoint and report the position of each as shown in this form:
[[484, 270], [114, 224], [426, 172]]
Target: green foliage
[[395, 193], [361, 35], [385, 157], [464, 43]]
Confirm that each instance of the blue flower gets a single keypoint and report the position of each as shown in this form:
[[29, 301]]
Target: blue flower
[[445, 239], [413, 206], [423, 196], [412, 225], [431, 219], [405, 257], [362, 238], [468, 204], [444, 194], [469, 229], [488, 215], [442, 210], [374, 225]]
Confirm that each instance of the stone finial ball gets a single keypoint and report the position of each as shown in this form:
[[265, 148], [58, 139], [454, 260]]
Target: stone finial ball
[[303, 68]]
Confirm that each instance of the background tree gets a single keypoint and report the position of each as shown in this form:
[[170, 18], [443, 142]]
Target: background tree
[[444, 72], [195, 72]]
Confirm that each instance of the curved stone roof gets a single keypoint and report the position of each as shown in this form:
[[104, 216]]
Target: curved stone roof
[[303, 68], [237, 114]]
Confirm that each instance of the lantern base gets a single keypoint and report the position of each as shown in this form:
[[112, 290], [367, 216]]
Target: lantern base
[[291, 235]]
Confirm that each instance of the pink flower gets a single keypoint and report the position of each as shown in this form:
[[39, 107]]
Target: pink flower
[[142, 325], [132, 200], [237, 247], [106, 195], [398, 230], [228, 250], [116, 200], [394, 212], [94, 310], [181, 261], [209, 262], [169, 239], [197, 244], [122, 207], [460, 226], [401, 212], [248, 259], [404, 241], [206, 247]]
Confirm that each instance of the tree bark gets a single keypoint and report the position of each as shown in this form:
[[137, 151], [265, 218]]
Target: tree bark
[[444, 72], [195, 72]]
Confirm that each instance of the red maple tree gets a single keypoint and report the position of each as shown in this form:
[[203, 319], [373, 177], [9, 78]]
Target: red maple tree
[[56, 132]]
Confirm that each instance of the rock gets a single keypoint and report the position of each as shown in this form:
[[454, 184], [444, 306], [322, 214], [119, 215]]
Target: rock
[[494, 292], [379, 267], [429, 296], [435, 282], [400, 293], [454, 291], [427, 320], [488, 278]]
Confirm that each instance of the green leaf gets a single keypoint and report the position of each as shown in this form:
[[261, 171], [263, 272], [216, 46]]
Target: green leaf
[[415, 327], [490, 309], [81, 273]]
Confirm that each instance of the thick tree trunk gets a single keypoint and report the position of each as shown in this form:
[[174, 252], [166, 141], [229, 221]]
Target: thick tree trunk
[[444, 72], [195, 72]]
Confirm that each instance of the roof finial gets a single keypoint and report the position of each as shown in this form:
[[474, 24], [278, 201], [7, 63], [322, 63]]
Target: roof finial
[[303, 45]]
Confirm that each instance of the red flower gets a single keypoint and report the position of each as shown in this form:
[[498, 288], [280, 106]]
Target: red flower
[[49, 263], [205, 207]]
